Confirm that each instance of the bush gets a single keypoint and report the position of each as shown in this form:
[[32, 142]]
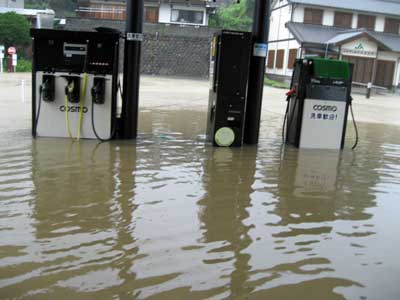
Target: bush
[[24, 65], [275, 84]]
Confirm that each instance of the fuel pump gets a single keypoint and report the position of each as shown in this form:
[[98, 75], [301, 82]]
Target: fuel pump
[[318, 104], [228, 91], [75, 84]]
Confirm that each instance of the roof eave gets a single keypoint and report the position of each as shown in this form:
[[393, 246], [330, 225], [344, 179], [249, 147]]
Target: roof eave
[[346, 9]]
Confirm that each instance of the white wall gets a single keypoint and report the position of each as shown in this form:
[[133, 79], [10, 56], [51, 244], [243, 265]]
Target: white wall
[[355, 21], [164, 15], [285, 46], [328, 18], [278, 31], [380, 23], [278, 20], [298, 14]]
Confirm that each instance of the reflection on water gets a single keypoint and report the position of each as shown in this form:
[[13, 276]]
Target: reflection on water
[[167, 217]]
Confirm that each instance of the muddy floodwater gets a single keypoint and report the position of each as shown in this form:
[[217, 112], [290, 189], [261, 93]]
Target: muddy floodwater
[[167, 217]]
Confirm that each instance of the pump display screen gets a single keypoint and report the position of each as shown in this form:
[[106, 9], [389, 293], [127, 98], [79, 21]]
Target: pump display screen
[[74, 49]]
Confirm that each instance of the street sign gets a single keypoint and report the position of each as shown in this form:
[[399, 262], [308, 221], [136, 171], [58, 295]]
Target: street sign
[[2, 48], [12, 50]]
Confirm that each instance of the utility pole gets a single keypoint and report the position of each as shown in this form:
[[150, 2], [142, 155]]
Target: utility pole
[[257, 71], [133, 45]]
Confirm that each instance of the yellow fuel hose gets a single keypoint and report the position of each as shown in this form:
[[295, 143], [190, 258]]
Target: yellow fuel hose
[[70, 88], [82, 105]]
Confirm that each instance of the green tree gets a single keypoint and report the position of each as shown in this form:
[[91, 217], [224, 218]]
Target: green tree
[[14, 30], [238, 16]]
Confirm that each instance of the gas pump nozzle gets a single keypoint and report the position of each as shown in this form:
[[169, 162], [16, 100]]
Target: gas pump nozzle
[[72, 90], [98, 91], [290, 93], [47, 88]]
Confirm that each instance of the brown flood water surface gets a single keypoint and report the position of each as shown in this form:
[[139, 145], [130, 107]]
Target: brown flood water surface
[[167, 217]]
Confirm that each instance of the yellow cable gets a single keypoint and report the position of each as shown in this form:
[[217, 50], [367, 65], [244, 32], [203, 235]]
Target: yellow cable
[[82, 105], [67, 117]]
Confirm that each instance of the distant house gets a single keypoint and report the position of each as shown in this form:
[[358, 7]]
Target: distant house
[[12, 3], [364, 32], [194, 12]]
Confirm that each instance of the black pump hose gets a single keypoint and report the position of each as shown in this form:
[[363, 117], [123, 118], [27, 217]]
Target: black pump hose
[[38, 111], [289, 126], [355, 128], [39, 107], [95, 131], [284, 121]]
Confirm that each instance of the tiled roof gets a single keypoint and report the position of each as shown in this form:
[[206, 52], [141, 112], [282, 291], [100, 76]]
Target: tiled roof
[[323, 35], [372, 6]]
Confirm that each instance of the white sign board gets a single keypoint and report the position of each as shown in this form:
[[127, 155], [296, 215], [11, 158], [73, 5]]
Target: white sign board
[[14, 60], [362, 47], [133, 36], [1, 55], [323, 123]]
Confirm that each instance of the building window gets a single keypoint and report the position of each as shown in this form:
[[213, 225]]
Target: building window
[[343, 19], [187, 16], [365, 21], [151, 14], [392, 25], [280, 54], [313, 16], [292, 58], [271, 59]]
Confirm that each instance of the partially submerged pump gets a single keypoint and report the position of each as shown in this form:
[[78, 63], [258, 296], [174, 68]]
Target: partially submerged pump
[[318, 105]]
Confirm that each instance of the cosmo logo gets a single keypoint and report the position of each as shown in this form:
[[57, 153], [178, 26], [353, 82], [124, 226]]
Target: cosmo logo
[[73, 109], [329, 108]]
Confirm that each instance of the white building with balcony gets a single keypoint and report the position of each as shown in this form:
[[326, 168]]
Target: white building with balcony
[[181, 12], [364, 32]]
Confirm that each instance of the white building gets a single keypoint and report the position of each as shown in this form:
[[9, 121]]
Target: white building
[[12, 3], [364, 32]]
